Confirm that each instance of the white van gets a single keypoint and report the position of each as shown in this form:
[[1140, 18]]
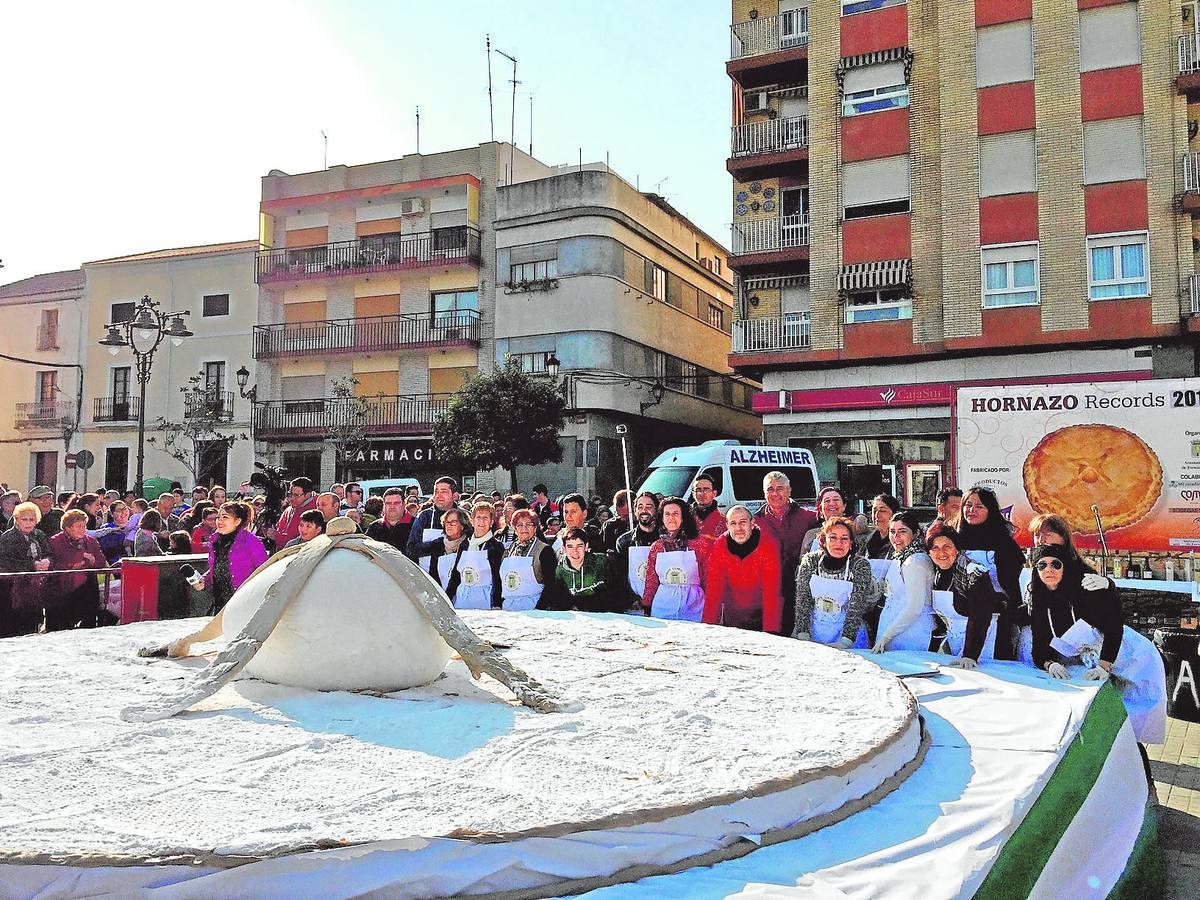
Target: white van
[[375, 487], [737, 471]]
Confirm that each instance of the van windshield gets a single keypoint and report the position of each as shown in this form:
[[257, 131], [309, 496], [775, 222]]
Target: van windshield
[[748, 482], [670, 481]]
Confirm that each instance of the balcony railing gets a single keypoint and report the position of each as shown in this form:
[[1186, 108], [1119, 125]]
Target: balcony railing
[[218, 404], [379, 253], [1189, 53], [766, 235], [768, 34], [366, 334], [45, 414], [1191, 299], [115, 409], [790, 332], [771, 136], [1191, 173], [295, 418]]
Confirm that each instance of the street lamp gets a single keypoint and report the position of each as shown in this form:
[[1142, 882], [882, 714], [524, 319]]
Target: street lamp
[[243, 379], [142, 332], [553, 364]]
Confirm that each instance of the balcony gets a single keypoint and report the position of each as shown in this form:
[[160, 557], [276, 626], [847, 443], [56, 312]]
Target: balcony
[[367, 334], [115, 409], [767, 242], [45, 414], [1187, 82], [1190, 303], [1189, 180], [217, 404], [408, 414], [767, 43], [792, 331], [759, 148], [381, 253]]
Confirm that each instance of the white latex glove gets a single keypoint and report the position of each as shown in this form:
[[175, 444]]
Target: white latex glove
[[1099, 673], [844, 643], [881, 645], [964, 662], [1058, 671], [802, 636], [1093, 582]]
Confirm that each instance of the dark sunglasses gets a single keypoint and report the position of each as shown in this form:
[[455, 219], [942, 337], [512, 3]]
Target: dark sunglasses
[[1044, 564]]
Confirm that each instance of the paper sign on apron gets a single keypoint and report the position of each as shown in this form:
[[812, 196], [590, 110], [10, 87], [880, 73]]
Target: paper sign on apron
[[987, 559], [831, 597], [680, 595], [428, 535], [956, 627], [474, 581], [639, 559], [895, 597], [1138, 668], [518, 587]]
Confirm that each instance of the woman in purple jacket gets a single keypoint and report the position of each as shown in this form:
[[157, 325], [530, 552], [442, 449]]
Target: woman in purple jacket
[[234, 553]]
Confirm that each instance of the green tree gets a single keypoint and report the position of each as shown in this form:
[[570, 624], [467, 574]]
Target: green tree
[[204, 414], [500, 421]]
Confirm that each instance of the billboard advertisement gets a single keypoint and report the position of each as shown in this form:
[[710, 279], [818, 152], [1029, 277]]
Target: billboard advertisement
[[1127, 450]]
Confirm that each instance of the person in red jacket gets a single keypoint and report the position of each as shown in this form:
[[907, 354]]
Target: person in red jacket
[[301, 498], [743, 580]]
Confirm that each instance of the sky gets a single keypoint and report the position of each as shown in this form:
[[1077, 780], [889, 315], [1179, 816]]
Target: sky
[[130, 126]]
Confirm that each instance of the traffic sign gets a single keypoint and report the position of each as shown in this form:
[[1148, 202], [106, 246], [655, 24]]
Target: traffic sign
[[69, 461], [85, 459]]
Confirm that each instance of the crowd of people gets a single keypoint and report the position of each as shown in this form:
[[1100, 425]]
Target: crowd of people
[[887, 582]]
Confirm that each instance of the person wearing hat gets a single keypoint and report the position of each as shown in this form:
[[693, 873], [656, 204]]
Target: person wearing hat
[[1074, 626], [51, 521]]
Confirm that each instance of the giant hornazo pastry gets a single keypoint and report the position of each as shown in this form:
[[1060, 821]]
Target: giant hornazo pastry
[[1074, 468]]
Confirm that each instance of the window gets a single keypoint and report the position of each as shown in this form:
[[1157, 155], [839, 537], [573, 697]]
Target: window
[[454, 238], [1118, 266], [543, 270], [1113, 150], [120, 383], [658, 282], [850, 7], [215, 305], [1004, 53], [533, 363], [47, 386], [1007, 164], [47, 338], [455, 308], [875, 187], [871, 88], [214, 378], [886, 305], [716, 316], [1109, 37], [1010, 275], [121, 312]]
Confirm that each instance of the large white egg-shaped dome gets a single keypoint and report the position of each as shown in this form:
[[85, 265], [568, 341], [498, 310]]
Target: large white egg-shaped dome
[[351, 627]]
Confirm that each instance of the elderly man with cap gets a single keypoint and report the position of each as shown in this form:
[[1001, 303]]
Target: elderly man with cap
[[51, 520]]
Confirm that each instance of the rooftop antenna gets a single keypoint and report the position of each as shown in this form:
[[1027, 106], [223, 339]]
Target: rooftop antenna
[[658, 186], [531, 123], [512, 141], [491, 108], [325, 138], [418, 131]]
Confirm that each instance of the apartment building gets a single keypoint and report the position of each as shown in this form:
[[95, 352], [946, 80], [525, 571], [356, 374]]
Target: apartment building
[[934, 194], [214, 286], [385, 280], [634, 301], [41, 319]]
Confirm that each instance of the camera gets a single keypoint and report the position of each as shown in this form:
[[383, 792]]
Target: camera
[[622, 429]]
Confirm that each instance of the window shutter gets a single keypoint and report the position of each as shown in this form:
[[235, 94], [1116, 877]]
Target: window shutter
[[1004, 53], [1109, 37], [875, 181], [867, 78], [1113, 150], [1007, 164]]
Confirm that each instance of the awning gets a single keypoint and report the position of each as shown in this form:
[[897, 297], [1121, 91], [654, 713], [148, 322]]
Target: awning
[[892, 54], [773, 281], [873, 276]]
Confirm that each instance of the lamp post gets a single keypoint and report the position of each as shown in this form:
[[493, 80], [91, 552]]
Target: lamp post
[[243, 379], [142, 333]]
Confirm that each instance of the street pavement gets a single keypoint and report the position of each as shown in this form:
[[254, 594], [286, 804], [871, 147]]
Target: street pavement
[[1176, 769]]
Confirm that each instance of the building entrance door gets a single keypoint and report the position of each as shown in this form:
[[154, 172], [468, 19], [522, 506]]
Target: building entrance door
[[45, 468], [116, 468]]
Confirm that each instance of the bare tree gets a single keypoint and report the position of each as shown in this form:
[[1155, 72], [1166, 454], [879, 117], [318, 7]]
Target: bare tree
[[204, 414], [346, 430]]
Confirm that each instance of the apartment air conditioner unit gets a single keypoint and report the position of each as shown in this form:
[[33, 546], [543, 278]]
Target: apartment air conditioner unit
[[756, 101], [412, 207]]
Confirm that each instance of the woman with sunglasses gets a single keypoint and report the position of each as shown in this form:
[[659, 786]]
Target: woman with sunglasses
[[986, 537], [1072, 626]]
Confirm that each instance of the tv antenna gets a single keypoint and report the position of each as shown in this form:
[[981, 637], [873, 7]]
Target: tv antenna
[[325, 139], [512, 141]]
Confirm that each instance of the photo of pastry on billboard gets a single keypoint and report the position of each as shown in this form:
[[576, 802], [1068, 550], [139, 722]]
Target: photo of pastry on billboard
[[1126, 452]]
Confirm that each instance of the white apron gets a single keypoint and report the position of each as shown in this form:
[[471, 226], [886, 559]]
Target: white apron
[[518, 587], [639, 559], [831, 597], [428, 535], [916, 635], [1139, 675], [474, 581], [956, 627], [444, 565], [680, 594]]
